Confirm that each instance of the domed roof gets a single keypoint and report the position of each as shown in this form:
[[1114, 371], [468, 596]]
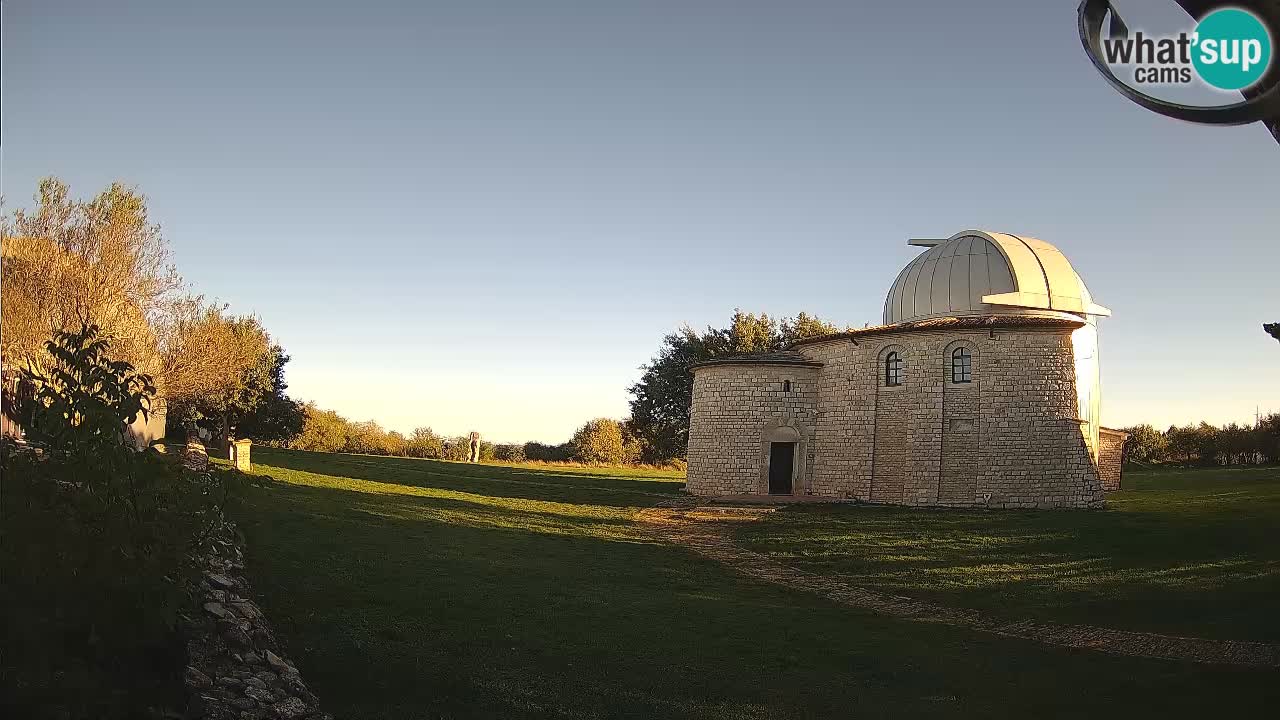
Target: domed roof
[[984, 273]]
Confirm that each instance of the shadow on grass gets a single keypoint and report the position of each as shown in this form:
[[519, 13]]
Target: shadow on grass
[[1196, 560], [586, 486], [402, 606]]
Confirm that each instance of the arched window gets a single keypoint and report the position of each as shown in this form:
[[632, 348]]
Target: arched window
[[893, 369], [961, 365]]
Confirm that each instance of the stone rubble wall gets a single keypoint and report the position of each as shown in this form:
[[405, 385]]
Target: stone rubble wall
[[237, 670], [1012, 438]]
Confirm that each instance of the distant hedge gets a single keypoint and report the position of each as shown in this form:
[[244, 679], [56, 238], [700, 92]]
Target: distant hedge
[[1206, 444]]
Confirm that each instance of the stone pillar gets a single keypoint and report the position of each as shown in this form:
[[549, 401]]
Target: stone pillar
[[238, 454]]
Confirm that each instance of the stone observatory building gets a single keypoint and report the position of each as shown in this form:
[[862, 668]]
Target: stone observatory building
[[980, 389]]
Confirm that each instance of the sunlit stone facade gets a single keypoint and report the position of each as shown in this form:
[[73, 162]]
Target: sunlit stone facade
[[980, 390]]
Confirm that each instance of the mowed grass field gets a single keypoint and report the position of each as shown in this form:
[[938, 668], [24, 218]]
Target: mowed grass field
[[1181, 552], [413, 588]]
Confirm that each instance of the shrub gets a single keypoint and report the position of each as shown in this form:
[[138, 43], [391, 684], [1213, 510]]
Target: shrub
[[1205, 444], [540, 452], [366, 437], [322, 431], [599, 441], [509, 452], [99, 546], [424, 443], [458, 448], [1145, 444]]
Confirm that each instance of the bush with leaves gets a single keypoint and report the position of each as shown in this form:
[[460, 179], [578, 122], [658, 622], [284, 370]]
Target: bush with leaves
[[424, 443], [322, 431], [661, 400], [541, 452], [99, 545], [457, 449], [509, 452], [66, 260], [1205, 444], [599, 442], [1145, 445]]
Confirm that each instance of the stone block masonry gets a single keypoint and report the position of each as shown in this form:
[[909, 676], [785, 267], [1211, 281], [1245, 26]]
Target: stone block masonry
[[738, 411], [1013, 437], [1111, 457]]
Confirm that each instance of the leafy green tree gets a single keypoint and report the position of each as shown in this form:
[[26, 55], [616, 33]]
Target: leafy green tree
[[1266, 438], [540, 452], [509, 452], [661, 399], [801, 327], [322, 430], [68, 262], [264, 412], [633, 444], [1207, 443], [424, 443], [83, 400], [367, 438], [99, 542], [216, 367], [1145, 445], [458, 449], [599, 442], [101, 261], [1182, 443]]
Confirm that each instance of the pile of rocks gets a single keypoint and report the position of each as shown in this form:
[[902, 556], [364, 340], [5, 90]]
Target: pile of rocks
[[237, 670], [195, 457]]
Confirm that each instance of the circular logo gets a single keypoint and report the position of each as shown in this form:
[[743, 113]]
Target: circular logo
[[1232, 49]]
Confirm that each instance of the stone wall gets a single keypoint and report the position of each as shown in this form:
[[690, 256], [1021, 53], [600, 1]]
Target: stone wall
[[1111, 458], [1012, 438], [237, 669], [739, 410]]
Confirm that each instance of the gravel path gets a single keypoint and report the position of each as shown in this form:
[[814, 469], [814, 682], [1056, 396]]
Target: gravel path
[[704, 531]]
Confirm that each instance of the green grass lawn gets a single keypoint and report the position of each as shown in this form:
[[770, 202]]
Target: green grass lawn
[[1191, 552], [413, 588]]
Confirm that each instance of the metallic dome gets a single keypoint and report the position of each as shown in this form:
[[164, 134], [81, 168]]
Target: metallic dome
[[983, 273]]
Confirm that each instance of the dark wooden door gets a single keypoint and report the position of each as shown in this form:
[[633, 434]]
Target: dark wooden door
[[782, 457]]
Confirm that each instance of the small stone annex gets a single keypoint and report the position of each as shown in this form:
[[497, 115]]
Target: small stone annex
[[980, 389]]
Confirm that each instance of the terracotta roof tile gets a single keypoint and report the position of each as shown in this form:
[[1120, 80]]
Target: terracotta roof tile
[[783, 357], [949, 323]]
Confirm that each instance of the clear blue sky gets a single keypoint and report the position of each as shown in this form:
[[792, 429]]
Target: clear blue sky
[[485, 215]]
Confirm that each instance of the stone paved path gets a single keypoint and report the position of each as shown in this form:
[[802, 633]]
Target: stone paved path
[[703, 531]]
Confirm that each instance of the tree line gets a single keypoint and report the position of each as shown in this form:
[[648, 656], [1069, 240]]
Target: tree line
[[97, 332], [1205, 444], [657, 433], [602, 441], [70, 264]]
